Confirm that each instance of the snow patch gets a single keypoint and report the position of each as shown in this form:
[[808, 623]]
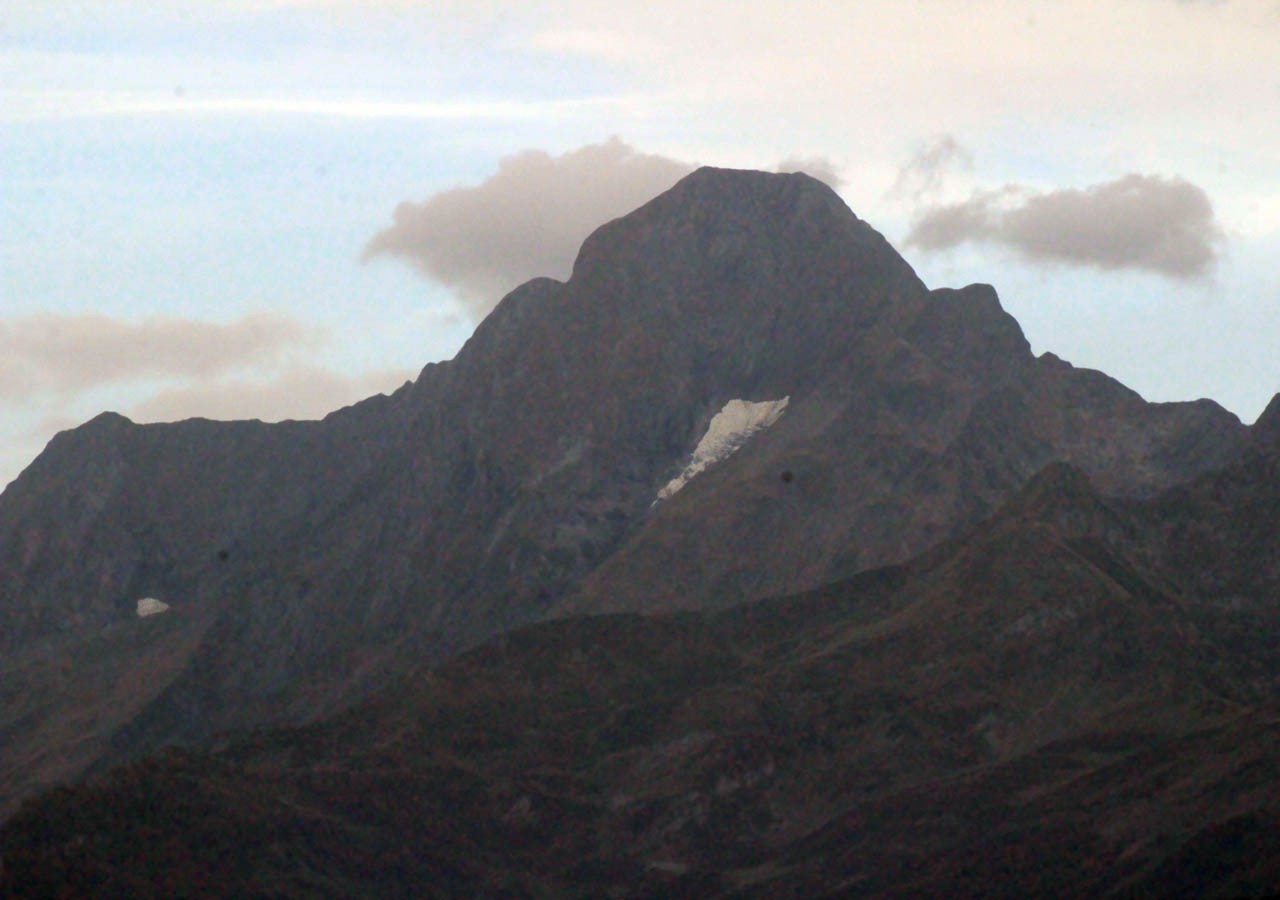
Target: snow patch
[[150, 606], [736, 422]]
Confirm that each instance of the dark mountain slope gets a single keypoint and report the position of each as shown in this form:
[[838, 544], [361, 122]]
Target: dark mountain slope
[[308, 563], [1043, 707], [898, 449]]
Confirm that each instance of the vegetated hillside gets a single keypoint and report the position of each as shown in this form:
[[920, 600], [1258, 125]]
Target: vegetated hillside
[[1064, 702], [307, 564]]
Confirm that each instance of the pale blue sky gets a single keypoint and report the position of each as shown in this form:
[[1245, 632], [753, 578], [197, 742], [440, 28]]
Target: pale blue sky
[[188, 187]]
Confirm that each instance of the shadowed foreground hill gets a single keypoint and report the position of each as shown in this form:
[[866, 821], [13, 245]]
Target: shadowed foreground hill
[[1078, 698]]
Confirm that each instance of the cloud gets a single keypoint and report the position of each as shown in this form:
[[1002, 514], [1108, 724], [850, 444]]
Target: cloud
[[527, 219], [923, 176], [63, 354], [1164, 225], [870, 56], [943, 226], [41, 104], [818, 167], [299, 392]]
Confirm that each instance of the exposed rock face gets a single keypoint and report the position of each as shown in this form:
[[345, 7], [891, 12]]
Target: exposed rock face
[[924, 431], [313, 560]]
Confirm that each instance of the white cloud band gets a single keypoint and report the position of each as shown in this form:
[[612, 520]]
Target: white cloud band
[[1164, 225]]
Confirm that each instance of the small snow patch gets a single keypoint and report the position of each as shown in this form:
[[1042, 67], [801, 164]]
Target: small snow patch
[[150, 606], [727, 432]]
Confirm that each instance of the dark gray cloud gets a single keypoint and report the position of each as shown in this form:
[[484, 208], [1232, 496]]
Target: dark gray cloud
[[819, 167], [528, 219], [1164, 225], [62, 354], [946, 225], [924, 175]]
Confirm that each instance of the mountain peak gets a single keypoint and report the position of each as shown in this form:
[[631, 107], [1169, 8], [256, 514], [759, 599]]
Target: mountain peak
[[762, 271], [722, 190], [519, 478], [731, 284], [715, 216]]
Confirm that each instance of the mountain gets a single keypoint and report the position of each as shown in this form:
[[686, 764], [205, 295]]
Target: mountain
[[306, 565], [1060, 702]]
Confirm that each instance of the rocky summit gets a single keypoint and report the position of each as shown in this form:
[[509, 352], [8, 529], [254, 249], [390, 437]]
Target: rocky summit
[[811, 546]]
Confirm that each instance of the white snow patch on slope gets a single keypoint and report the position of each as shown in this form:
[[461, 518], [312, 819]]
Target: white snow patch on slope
[[149, 606], [729, 430]]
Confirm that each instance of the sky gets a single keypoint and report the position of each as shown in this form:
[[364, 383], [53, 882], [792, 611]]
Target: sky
[[273, 208]]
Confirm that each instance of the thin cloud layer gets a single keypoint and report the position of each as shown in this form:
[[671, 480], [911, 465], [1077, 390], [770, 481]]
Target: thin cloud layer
[[54, 367], [64, 354], [818, 167], [1163, 225], [299, 392], [528, 219], [926, 172]]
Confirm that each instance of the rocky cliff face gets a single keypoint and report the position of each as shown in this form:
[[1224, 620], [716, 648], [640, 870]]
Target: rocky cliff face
[[924, 430], [306, 563]]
